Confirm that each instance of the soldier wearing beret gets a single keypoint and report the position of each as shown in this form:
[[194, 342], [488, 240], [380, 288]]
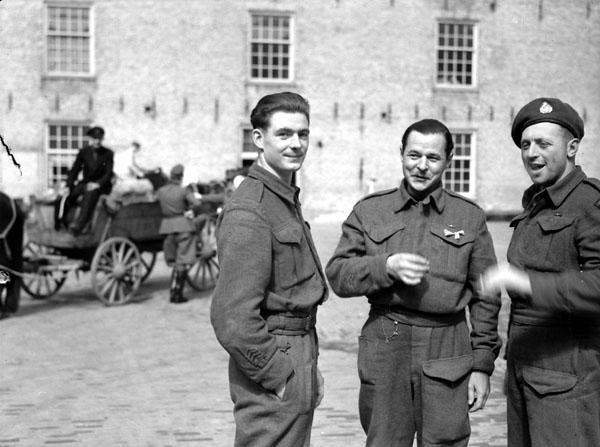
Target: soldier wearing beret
[[95, 163], [416, 252], [553, 280], [179, 247], [265, 303]]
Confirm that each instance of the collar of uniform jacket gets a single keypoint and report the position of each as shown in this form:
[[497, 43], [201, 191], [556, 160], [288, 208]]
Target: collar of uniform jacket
[[274, 183], [405, 200], [558, 192]]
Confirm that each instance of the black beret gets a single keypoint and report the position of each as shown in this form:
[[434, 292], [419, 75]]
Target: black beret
[[551, 110], [95, 132]]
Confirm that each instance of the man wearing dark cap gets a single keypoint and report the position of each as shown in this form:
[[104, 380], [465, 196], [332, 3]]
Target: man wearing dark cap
[[179, 247], [553, 280], [95, 163]]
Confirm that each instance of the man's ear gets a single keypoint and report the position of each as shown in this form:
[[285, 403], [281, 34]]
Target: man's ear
[[449, 159], [572, 148], [257, 137]]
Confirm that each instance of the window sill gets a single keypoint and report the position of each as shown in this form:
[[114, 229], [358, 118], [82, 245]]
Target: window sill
[[270, 83], [455, 89], [66, 77]]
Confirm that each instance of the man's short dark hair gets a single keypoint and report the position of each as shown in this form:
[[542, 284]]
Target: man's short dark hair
[[428, 127], [278, 102]]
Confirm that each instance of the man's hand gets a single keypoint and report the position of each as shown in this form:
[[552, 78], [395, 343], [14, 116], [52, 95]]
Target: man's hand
[[320, 387], [507, 276], [479, 390], [407, 267], [189, 214], [91, 186]]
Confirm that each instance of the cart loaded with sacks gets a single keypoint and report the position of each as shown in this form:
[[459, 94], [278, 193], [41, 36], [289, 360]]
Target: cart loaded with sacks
[[119, 251]]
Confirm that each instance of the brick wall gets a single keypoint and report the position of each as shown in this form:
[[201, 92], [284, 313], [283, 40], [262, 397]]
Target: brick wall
[[189, 61]]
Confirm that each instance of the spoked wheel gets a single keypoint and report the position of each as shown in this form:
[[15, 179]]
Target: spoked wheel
[[41, 279], [148, 259], [116, 270], [204, 273]]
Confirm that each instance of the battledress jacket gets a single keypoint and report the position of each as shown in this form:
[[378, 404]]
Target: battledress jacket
[[174, 200], [95, 165], [447, 229], [557, 241], [269, 265]]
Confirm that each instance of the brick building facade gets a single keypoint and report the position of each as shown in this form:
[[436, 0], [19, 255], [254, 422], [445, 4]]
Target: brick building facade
[[181, 77]]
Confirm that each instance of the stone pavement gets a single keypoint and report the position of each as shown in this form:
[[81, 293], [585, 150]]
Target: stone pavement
[[73, 372]]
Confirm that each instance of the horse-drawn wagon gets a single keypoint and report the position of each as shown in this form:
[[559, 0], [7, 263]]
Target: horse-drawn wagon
[[119, 251]]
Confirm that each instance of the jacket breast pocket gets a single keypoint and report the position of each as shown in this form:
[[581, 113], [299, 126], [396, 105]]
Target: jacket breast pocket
[[382, 238], [293, 261], [556, 240], [450, 252]]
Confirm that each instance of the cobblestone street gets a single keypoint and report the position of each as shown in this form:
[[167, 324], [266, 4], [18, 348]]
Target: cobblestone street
[[73, 372]]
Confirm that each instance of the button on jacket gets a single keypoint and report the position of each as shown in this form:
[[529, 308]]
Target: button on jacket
[[557, 241], [269, 265], [445, 228]]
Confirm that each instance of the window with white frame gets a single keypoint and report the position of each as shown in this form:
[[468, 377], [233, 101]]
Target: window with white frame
[[460, 176], [63, 141], [456, 45], [68, 40], [249, 149], [271, 47]]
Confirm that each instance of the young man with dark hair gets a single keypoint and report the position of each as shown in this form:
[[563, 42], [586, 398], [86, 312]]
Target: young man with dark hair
[[265, 303], [416, 252]]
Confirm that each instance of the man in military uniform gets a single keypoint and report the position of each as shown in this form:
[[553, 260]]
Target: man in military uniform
[[416, 252], [95, 163], [265, 302], [179, 247], [553, 279]]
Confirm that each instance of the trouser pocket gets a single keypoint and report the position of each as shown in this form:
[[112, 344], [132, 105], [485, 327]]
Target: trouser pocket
[[552, 403], [445, 399]]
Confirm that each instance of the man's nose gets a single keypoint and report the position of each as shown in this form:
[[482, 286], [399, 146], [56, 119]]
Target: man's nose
[[422, 163], [532, 151], [295, 141]]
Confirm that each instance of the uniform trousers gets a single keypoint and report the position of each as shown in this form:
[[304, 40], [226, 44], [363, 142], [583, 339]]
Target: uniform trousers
[[261, 418], [180, 249], [414, 379], [553, 386]]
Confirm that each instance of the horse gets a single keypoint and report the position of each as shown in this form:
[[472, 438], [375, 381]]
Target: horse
[[12, 220]]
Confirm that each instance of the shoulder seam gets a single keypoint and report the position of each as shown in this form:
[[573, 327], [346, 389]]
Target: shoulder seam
[[379, 193], [460, 196]]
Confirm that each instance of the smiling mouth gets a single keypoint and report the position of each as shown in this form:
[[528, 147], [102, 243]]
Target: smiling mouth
[[536, 166]]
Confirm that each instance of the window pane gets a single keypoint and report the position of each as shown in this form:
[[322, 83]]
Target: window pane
[[269, 46]]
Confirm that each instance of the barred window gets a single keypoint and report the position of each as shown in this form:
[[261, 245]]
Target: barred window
[[271, 47], [62, 144], [68, 40], [455, 54], [459, 177]]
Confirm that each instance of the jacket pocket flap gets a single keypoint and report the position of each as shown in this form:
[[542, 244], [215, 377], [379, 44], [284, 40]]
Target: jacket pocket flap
[[455, 237], [288, 234], [381, 233], [450, 369], [547, 381], [554, 223]]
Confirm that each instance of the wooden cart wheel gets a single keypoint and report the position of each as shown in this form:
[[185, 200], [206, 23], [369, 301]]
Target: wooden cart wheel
[[40, 282], [204, 273], [116, 271], [148, 259]]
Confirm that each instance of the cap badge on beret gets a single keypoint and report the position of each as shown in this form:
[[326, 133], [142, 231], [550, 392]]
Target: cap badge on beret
[[546, 108]]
